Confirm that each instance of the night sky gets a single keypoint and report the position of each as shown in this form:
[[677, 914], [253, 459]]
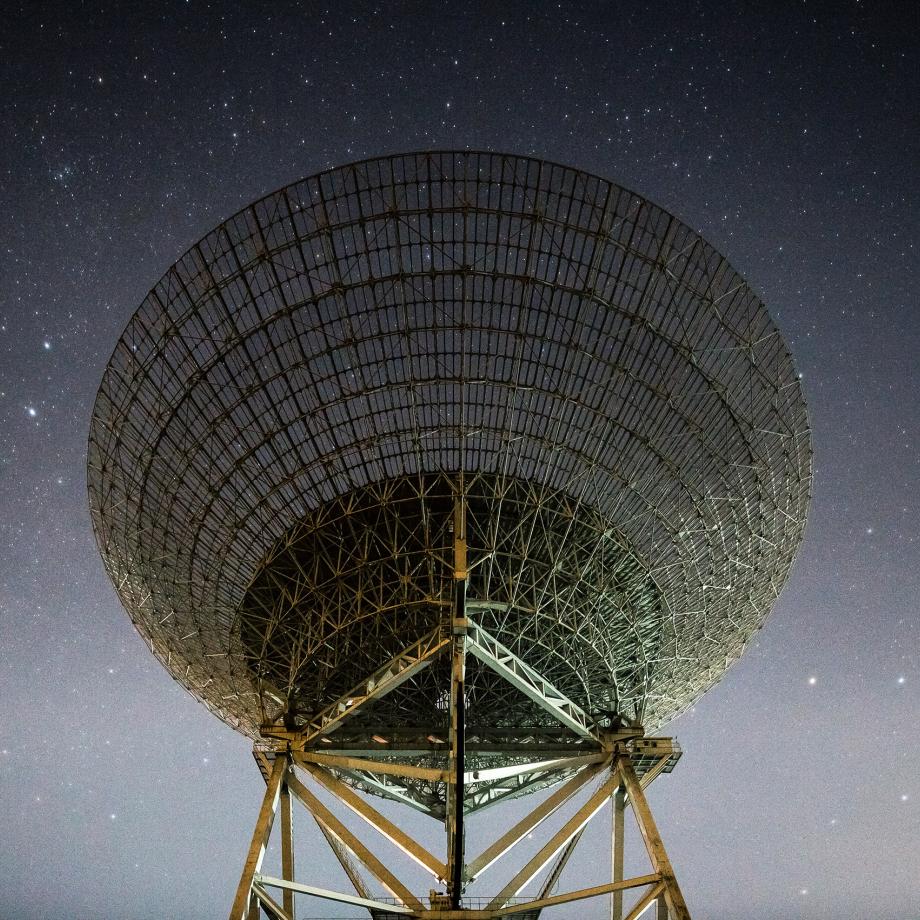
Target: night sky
[[789, 139]]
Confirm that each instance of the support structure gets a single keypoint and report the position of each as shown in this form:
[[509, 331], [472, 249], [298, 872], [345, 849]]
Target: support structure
[[456, 763], [407, 471], [590, 766], [618, 806]]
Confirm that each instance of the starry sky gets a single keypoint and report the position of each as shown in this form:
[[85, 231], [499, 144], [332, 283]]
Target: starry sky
[[787, 133]]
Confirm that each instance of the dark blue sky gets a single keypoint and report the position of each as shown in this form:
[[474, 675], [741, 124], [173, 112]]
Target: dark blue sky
[[786, 133]]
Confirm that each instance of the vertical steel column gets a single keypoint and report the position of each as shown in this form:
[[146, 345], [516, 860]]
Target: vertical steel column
[[618, 810], [661, 908], [455, 843], [287, 847]]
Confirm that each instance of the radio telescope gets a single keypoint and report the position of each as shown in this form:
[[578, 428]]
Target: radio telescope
[[449, 477]]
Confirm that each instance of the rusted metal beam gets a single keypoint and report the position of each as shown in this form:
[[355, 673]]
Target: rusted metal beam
[[376, 820], [652, 839], [241, 903], [578, 895]]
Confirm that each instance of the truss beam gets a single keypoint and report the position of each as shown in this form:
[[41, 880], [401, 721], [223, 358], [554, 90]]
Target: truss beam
[[536, 688], [384, 680], [404, 794], [620, 785], [326, 894]]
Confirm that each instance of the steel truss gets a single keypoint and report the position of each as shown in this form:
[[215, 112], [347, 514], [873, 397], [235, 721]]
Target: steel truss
[[618, 767], [440, 475], [281, 424]]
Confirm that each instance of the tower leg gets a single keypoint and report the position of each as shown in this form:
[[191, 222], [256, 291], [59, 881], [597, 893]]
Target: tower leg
[[610, 758], [287, 848], [652, 839], [618, 802], [242, 903]]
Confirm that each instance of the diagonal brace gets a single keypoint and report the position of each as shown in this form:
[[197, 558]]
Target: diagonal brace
[[531, 821], [580, 895], [395, 672], [380, 823], [371, 863], [369, 903], [584, 814], [263, 829], [536, 688]]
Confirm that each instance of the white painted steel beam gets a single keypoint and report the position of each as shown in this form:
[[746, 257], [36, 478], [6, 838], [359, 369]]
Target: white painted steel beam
[[270, 905], [519, 674], [326, 894], [543, 766]]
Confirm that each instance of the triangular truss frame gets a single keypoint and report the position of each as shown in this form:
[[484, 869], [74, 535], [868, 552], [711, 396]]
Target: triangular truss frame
[[618, 758]]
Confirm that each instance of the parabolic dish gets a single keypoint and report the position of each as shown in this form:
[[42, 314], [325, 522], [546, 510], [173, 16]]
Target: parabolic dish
[[280, 433]]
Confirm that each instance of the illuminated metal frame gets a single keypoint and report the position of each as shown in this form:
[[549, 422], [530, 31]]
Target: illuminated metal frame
[[511, 332], [456, 311], [612, 763]]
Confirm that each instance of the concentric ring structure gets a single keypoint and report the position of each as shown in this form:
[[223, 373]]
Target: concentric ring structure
[[285, 425]]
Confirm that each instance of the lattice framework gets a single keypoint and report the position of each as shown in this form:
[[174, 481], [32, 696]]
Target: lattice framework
[[396, 323]]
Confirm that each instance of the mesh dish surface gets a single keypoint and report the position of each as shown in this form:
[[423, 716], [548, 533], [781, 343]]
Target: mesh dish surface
[[586, 358]]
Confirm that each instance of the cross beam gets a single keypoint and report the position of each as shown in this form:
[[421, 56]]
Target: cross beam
[[618, 782], [326, 894]]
